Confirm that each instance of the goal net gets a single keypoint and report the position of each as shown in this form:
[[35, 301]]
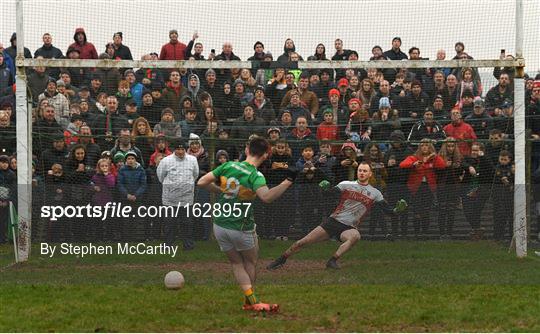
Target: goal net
[[426, 97]]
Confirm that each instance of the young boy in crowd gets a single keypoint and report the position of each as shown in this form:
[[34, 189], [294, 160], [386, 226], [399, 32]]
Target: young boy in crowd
[[131, 184], [273, 135], [190, 124], [328, 128], [123, 95], [495, 145], [131, 111], [310, 200], [56, 187], [118, 160], [153, 196], [221, 157], [279, 212], [223, 143], [326, 160], [72, 131], [503, 193], [308, 193]]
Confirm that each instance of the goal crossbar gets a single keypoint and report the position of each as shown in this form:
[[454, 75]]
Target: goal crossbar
[[220, 64]]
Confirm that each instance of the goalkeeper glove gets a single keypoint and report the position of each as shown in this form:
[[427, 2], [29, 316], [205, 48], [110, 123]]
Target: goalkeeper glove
[[401, 206], [325, 185], [292, 173]]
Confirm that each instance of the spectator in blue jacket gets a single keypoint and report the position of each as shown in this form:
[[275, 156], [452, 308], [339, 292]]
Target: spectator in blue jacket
[[131, 185], [136, 88]]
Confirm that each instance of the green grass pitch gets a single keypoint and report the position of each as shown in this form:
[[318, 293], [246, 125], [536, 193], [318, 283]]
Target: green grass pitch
[[382, 286]]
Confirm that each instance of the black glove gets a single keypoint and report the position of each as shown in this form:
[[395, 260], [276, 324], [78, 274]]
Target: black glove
[[292, 173]]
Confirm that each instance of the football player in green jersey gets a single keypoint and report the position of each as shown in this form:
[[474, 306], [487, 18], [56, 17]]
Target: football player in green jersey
[[238, 184]]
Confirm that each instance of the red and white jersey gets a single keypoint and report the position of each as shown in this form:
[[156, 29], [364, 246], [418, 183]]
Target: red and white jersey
[[355, 202]]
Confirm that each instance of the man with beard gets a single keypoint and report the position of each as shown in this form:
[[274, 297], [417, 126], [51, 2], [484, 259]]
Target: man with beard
[[86, 49], [426, 128], [480, 121], [498, 94], [301, 136], [308, 98], [288, 49], [44, 131], [108, 123], [124, 145], [58, 101], [395, 52], [356, 200], [174, 91], [37, 81]]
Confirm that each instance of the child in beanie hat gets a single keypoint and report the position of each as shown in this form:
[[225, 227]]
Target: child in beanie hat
[[119, 160], [221, 157], [193, 138]]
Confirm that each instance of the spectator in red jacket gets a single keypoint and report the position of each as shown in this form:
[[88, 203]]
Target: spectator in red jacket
[[86, 49], [328, 129], [422, 182], [461, 131], [174, 50]]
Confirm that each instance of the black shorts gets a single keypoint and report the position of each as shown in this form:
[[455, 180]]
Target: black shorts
[[335, 228]]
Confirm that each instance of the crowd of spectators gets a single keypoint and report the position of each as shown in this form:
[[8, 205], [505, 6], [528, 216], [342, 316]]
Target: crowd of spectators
[[436, 136]]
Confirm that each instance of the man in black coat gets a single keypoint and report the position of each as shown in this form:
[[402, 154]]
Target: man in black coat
[[53, 155], [12, 50], [105, 125], [45, 130], [426, 128], [397, 178], [395, 52], [120, 50], [480, 121], [48, 51]]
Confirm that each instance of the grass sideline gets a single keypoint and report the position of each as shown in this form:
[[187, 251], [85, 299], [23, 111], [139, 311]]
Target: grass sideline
[[383, 286]]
